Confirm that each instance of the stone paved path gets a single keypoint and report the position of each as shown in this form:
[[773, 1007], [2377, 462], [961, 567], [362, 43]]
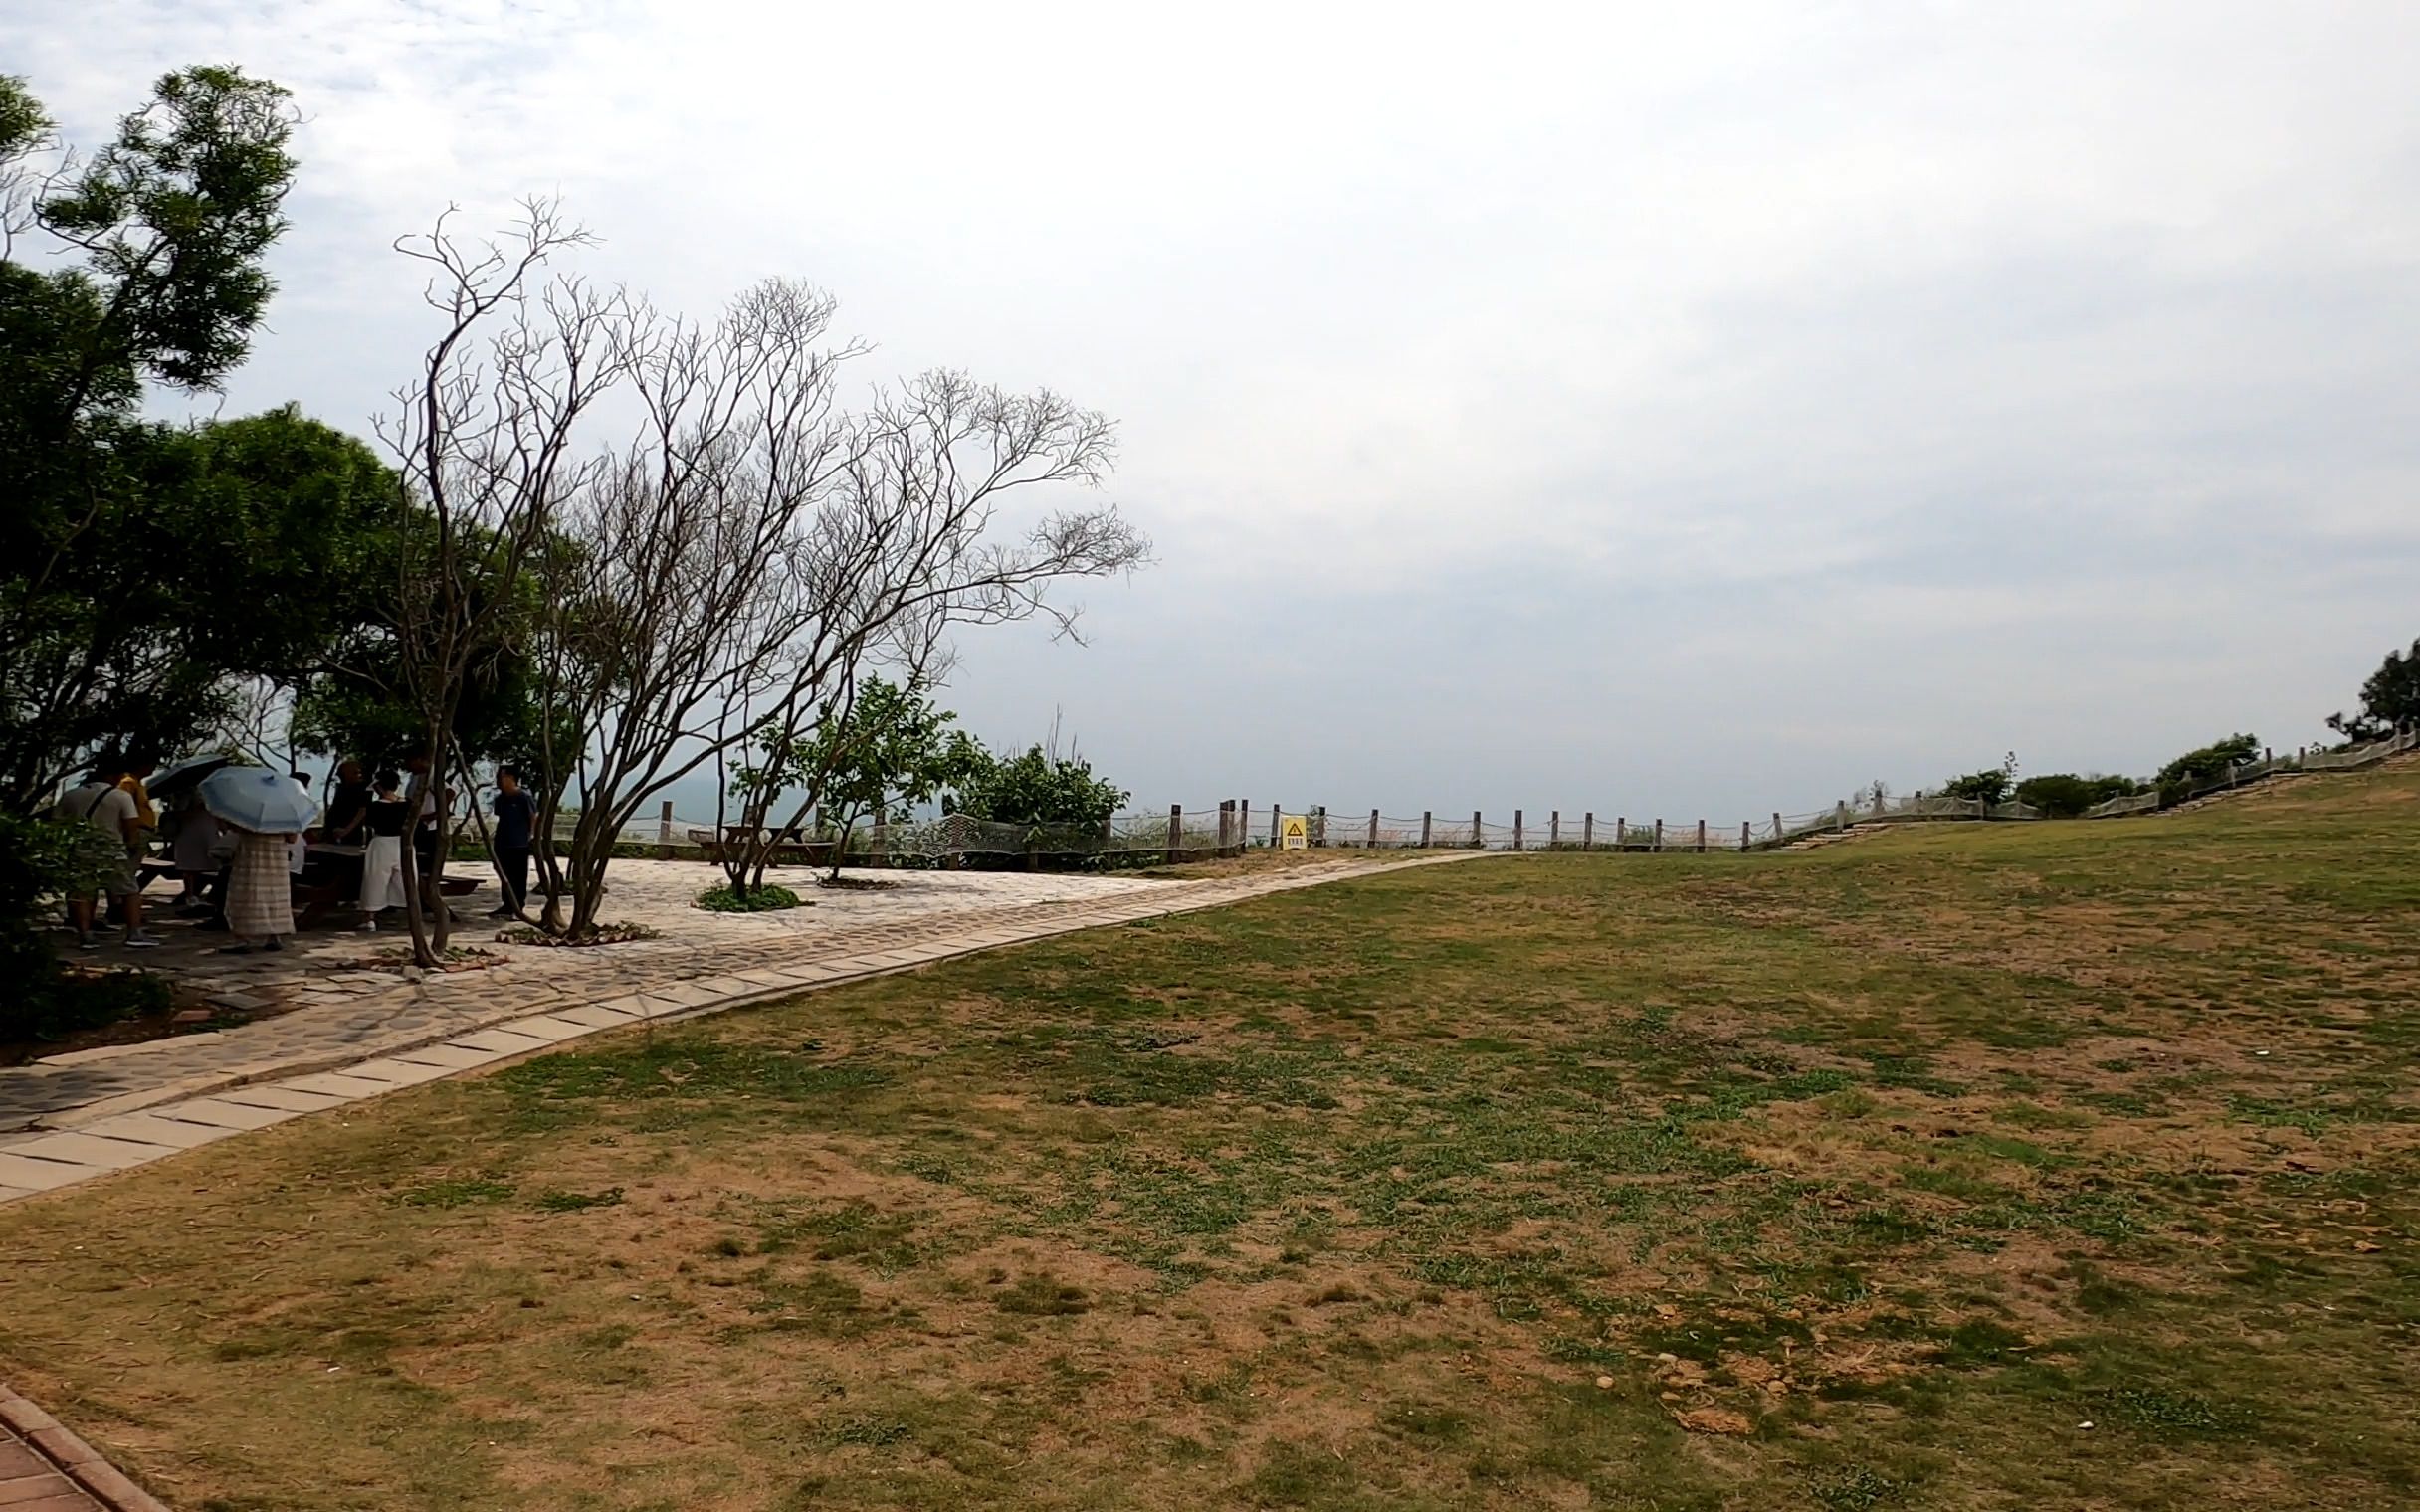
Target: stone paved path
[[118, 1110], [338, 995]]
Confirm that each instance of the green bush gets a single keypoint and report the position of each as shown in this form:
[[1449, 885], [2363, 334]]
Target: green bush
[[766, 899], [2063, 794], [39, 999], [1989, 786], [1040, 788], [2211, 761], [65, 1002]]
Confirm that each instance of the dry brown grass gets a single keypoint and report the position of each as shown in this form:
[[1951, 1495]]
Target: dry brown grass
[[1850, 1180]]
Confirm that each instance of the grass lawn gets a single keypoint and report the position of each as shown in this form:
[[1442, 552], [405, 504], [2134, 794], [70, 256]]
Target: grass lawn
[[1990, 1167]]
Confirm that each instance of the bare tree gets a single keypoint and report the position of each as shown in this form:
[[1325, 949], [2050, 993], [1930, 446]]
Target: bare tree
[[913, 547], [723, 583], [484, 444]]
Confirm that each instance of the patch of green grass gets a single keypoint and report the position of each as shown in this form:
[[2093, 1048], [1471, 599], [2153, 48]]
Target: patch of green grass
[[557, 1200], [456, 1192], [2165, 1414], [1043, 1297]]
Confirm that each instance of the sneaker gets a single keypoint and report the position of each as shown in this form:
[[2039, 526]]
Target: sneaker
[[368, 926], [141, 941], [273, 944], [87, 942]]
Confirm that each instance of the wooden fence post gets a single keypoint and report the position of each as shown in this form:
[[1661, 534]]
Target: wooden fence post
[[1277, 817], [1658, 834], [1517, 828], [1744, 836], [1226, 828], [1776, 827], [1425, 817], [1373, 828], [1242, 825], [1588, 831], [1621, 833], [1840, 816], [1554, 827], [1477, 836], [664, 831], [1701, 837], [1176, 832]]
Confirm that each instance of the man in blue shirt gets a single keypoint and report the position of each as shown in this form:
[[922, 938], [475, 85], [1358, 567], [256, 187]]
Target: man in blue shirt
[[515, 817]]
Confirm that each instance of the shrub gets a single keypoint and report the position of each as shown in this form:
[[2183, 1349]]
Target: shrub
[[1037, 788], [38, 999], [764, 899], [1989, 786], [2063, 794], [61, 1003], [2211, 761]]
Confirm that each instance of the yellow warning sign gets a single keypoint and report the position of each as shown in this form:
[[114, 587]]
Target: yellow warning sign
[[1293, 831]]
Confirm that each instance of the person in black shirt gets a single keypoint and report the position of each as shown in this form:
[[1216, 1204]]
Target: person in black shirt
[[348, 820], [515, 815]]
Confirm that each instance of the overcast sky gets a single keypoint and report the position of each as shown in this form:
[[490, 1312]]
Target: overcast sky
[[1682, 409]]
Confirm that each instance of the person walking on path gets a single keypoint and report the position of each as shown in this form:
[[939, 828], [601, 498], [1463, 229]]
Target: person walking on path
[[260, 892], [515, 818], [106, 855]]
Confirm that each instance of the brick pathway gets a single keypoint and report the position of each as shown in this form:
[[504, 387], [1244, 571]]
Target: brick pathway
[[363, 1033], [45, 1468]]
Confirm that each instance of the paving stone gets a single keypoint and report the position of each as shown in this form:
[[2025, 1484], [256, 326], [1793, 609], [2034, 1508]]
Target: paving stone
[[447, 1057], [501, 1041], [595, 1016], [223, 1115], [551, 1027], [336, 1084], [11, 1193], [280, 1097], [154, 1130], [81, 1149], [39, 1175], [48, 1491], [395, 1071]]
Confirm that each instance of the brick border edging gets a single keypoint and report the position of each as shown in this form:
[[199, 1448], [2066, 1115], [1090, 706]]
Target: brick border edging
[[73, 1458]]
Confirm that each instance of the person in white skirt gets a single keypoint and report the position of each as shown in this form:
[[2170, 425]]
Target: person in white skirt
[[382, 861]]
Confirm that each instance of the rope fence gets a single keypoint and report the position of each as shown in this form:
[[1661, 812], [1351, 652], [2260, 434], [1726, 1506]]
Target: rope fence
[[1232, 827]]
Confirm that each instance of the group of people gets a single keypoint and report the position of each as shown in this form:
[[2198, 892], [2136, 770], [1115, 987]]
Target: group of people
[[241, 881]]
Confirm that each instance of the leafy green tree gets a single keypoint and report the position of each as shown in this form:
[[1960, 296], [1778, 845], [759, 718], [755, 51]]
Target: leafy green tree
[[879, 755], [1040, 789], [2196, 768], [2063, 794], [142, 565], [1991, 785], [2390, 700]]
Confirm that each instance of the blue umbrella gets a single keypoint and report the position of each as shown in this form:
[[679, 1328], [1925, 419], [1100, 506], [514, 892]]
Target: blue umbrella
[[259, 800]]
